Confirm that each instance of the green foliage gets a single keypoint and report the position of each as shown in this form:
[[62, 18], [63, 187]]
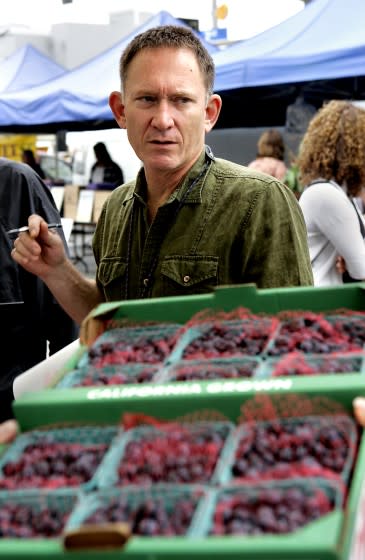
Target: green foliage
[[291, 179]]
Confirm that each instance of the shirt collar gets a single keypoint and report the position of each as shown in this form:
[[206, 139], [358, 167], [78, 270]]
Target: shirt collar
[[195, 196]]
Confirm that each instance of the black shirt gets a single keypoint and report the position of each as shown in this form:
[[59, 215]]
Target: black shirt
[[29, 314]]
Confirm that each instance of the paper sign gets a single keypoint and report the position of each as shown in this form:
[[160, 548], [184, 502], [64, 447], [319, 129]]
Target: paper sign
[[85, 206], [100, 198], [58, 194], [71, 199]]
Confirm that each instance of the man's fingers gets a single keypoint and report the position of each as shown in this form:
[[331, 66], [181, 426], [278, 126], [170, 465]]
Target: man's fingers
[[359, 410], [8, 431]]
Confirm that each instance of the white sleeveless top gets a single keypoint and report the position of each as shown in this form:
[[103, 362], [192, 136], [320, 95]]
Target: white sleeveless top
[[333, 230]]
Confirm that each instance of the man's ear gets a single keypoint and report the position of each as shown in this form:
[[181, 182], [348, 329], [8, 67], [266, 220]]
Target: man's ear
[[117, 107], [212, 111]]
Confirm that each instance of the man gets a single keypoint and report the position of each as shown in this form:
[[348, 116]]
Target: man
[[189, 222], [31, 318]]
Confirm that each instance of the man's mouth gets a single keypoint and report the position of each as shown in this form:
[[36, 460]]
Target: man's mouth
[[162, 142]]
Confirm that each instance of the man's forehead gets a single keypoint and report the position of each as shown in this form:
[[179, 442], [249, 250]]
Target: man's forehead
[[183, 77], [170, 55]]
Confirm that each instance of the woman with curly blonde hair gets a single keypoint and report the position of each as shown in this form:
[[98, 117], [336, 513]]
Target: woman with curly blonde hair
[[331, 165]]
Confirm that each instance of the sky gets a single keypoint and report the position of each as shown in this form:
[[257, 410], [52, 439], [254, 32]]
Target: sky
[[245, 18]]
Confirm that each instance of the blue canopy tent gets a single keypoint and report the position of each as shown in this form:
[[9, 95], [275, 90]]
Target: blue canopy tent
[[78, 97], [319, 53], [27, 67]]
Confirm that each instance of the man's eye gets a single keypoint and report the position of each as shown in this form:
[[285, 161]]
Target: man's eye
[[146, 98], [182, 100]]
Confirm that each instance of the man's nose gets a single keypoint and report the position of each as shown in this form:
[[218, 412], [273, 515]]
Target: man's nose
[[162, 118]]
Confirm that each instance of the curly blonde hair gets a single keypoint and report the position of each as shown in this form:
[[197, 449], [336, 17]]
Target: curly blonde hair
[[333, 148]]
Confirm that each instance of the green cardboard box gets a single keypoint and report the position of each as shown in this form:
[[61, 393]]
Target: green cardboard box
[[337, 536]]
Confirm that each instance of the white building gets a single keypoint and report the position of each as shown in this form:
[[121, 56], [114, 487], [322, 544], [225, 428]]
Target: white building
[[72, 44]]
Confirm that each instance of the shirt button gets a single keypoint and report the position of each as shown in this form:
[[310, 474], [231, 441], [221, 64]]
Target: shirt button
[[186, 279], [145, 282]]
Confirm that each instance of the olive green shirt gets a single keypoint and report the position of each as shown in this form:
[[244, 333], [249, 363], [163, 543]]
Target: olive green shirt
[[234, 226]]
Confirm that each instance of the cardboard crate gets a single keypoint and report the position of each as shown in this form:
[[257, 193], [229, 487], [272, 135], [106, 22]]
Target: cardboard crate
[[338, 536], [335, 537]]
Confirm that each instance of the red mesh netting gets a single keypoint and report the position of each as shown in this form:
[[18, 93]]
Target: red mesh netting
[[297, 363], [217, 335], [314, 333], [131, 420], [217, 316], [290, 405]]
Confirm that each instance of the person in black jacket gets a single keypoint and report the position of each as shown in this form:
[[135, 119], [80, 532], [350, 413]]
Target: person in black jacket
[[31, 319], [105, 170]]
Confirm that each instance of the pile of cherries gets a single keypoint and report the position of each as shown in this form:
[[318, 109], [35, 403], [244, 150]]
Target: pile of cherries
[[117, 376], [294, 447], [313, 333], [22, 521], [296, 363], [225, 339], [151, 517], [351, 326], [269, 511], [149, 348], [46, 464], [175, 454]]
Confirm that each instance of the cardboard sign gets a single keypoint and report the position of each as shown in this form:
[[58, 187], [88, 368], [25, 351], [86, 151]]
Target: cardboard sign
[[85, 206], [100, 198], [58, 194], [71, 199]]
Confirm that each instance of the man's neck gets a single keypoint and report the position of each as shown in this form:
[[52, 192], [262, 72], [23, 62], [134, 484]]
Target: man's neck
[[161, 184], [159, 189]]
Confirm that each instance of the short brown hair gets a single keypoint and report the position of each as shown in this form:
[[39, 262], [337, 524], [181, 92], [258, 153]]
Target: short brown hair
[[271, 144], [169, 36], [334, 146]]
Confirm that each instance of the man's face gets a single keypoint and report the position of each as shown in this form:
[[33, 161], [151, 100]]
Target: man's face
[[165, 109]]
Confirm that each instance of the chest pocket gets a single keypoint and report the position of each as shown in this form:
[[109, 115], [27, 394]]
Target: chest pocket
[[112, 278], [185, 275]]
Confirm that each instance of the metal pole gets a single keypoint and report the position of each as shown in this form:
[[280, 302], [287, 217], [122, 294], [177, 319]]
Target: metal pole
[[214, 12]]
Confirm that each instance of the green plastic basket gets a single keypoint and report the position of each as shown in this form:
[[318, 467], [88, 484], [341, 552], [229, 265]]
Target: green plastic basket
[[128, 504], [312, 333], [29, 515], [278, 459], [88, 376], [155, 343], [257, 509], [245, 337], [206, 370], [352, 325], [108, 473], [85, 435], [299, 364]]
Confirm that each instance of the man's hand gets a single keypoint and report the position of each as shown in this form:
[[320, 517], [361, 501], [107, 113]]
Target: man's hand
[[40, 249], [359, 410], [8, 431], [340, 265]]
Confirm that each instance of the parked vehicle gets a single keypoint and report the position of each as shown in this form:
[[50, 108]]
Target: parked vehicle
[[57, 171]]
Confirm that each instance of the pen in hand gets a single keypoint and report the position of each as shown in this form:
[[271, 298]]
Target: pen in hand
[[26, 228]]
